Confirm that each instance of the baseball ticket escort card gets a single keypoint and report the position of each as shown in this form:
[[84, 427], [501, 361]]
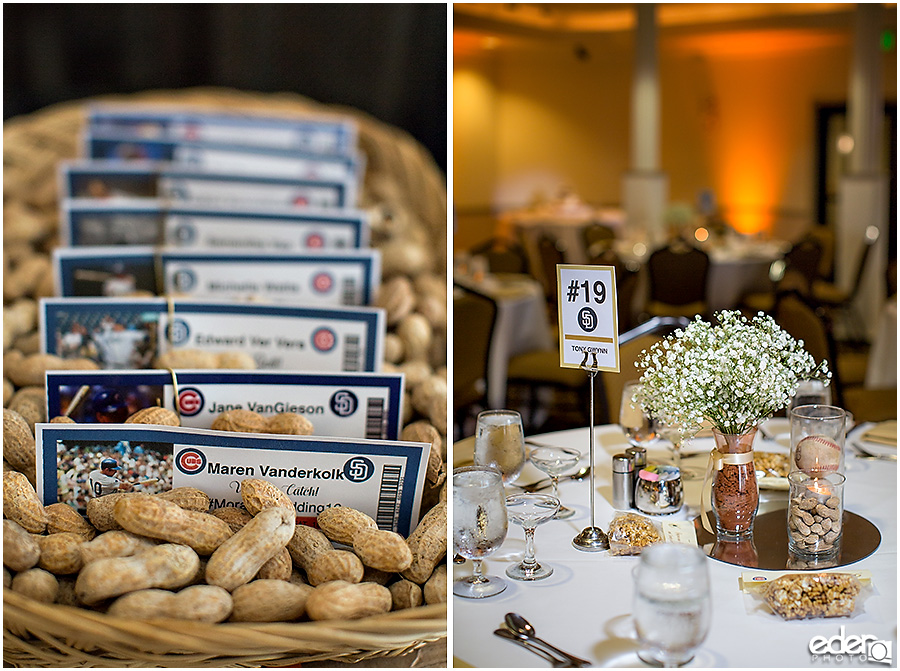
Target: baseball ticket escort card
[[384, 479], [349, 405], [313, 278], [226, 157], [316, 135], [152, 179], [123, 333], [588, 328]]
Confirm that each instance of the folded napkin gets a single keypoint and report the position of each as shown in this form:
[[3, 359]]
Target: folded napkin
[[884, 433]]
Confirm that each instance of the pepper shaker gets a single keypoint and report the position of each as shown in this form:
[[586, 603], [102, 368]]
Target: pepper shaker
[[638, 457], [622, 482]]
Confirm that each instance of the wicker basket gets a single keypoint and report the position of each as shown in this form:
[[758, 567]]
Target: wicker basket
[[404, 184]]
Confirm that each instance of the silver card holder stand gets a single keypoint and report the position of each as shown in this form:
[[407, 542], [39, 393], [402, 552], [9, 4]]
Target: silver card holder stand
[[592, 538]]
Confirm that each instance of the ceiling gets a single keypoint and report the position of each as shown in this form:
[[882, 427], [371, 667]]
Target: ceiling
[[571, 17]]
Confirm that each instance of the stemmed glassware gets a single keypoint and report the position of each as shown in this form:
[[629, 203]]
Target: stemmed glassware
[[672, 608], [479, 526], [554, 461], [500, 442], [639, 427], [677, 435], [529, 510]]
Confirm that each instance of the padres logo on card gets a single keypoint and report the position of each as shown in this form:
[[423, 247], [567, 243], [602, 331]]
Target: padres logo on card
[[588, 325]]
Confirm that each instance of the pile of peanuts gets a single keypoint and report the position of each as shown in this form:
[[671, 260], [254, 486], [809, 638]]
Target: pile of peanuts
[[167, 555], [814, 526]]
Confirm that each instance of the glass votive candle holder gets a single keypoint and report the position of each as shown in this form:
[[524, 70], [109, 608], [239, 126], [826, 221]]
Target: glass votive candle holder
[[815, 516], [817, 439]]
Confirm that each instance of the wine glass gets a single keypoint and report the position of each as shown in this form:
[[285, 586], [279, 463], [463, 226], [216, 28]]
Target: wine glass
[[638, 425], [479, 526], [809, 392], [554, 461], [678, 435], [672, 608], [529, 510], [500, 442]]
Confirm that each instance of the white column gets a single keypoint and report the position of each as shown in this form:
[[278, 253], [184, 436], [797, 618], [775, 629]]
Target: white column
[[863, 192], [645, 187]]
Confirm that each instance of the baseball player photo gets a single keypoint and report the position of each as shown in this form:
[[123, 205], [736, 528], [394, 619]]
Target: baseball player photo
[[103, 481]]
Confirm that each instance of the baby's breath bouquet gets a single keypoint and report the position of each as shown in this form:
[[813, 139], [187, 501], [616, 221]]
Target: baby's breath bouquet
[[734, 374]]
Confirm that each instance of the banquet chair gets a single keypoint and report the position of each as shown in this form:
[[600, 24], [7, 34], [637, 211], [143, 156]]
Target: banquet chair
[[840, 303], [597, 237], [503, 256], [550, 254], [796, 272], [677, 274], [473, 323]]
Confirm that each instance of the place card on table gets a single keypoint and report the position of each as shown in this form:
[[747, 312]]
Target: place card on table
[[350, 405], [222, 157], [86, 222], [384, 479], [154, 179], [313, 278], [311, 134], [128, 333]]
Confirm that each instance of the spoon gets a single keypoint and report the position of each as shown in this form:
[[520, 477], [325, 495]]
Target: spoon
[[528, 645], [545, 482], [523, 629]]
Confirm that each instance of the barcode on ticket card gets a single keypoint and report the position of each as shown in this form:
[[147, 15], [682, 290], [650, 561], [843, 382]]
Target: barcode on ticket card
[[376, 419], [348, 295], [388, 496], [352, 354]]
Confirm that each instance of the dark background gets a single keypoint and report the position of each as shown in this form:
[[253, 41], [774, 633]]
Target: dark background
[[389, 60]]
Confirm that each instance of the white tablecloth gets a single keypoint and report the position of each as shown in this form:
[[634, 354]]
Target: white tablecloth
[[520, 326], [585, 606]]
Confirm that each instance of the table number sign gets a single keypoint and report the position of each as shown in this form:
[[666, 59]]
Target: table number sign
[[589, 334]]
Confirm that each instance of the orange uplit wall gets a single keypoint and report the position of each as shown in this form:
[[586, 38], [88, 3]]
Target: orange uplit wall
[[738, 116]]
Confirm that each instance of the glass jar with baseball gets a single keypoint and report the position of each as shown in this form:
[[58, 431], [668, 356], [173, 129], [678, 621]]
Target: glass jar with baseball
[[817, 439], [815, 514]]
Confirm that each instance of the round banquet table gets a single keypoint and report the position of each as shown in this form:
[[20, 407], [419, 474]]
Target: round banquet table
[[520, 326], [585, 606]]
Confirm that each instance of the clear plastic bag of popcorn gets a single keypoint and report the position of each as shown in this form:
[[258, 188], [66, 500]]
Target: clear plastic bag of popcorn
[[630, 533], [798, 596]]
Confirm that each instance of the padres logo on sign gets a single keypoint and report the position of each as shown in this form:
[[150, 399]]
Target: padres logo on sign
[[184, 280], [359, 469], [190, 401], [322, 282], [184, 233], [324, 339], [190, 461], [178, 331], [344, 403]]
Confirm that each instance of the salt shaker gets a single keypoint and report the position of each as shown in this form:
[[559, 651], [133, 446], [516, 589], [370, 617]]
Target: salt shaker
[[622, 482]]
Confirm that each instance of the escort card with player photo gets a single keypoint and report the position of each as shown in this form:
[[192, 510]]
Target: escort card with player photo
[[315, 135], [120, 333], [102, 179], [588, 329], [316, 278], [350, 405], [89, 222], [226, 158], [384, 479]]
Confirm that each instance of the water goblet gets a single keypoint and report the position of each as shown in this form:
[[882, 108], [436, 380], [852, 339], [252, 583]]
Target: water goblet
[[554, 461], [529, 510], [638, 425], [672, 608], [479, 526], [500, 442]]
